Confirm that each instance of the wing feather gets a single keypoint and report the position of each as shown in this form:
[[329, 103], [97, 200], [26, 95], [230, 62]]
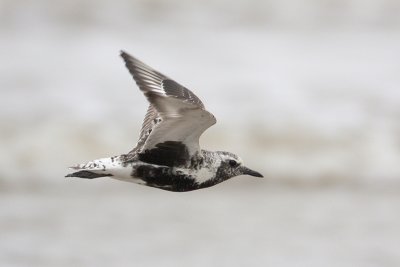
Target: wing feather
[[175, 113]]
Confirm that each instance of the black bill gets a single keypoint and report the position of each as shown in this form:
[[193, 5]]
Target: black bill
[[247, 171]]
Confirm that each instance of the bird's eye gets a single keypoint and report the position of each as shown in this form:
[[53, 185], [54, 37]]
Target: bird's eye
[[233, 163]]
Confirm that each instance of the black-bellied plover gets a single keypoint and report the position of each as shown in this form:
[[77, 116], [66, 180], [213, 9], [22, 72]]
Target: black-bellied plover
[[167, 155]]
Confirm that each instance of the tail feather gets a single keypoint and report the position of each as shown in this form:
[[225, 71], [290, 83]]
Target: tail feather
[[88, 174], [94, 169]]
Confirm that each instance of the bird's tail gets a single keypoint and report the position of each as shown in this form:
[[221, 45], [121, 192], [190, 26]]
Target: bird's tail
[[94, 169]]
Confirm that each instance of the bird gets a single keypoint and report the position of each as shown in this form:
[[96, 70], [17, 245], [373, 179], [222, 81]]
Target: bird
[[167, 155]]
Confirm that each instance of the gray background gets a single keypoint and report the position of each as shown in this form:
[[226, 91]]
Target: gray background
[[305, 92]]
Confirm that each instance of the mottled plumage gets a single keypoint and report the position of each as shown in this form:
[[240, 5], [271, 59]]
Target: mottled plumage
[[167, 154]]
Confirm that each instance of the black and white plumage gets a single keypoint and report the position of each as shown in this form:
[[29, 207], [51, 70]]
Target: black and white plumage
[[167, 154]]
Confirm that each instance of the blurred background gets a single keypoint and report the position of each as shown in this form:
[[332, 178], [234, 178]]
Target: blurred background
[[306, 92]]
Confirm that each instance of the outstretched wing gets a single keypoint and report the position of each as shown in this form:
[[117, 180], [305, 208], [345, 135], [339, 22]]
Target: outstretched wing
[[175, 119]]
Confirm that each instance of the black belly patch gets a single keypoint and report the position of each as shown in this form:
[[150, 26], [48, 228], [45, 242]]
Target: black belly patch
[[169, 153], [164, 178]]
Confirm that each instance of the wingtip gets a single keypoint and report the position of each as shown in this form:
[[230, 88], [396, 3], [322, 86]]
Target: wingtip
[[128, 59], [126, 56], [123, 54]]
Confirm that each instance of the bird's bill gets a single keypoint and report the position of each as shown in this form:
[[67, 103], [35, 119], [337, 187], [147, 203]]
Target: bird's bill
[[247, 171]]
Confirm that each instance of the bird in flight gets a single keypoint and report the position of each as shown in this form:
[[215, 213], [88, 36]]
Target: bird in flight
[[167, 155]]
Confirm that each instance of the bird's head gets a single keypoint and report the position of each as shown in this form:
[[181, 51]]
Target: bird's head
[[232, 165]]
